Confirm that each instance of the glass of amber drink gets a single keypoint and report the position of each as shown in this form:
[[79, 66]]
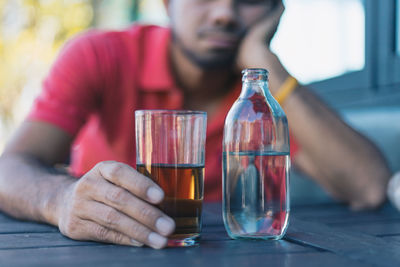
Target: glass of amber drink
[[170, 148]]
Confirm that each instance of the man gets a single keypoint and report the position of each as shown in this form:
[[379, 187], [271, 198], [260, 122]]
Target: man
[[101, 78]]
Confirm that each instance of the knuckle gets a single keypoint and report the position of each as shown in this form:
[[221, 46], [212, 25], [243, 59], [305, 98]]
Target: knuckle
[[118, 238], [102, 164], [112, 218], [146, 213], [116, 169], [140, 182], [84, 185], [117, 195], [101, 233]]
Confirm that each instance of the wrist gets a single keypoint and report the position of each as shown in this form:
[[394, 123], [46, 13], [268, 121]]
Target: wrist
[[278, 74], [286, 89], [54, 204]]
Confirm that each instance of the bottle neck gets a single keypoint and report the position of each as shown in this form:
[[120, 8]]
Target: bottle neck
[[249, 88], [255, 81]]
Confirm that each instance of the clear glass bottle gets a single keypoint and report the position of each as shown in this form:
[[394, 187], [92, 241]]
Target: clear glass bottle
[[256, 163]]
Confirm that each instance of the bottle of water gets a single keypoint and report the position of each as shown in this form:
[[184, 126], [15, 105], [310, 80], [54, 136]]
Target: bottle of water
[[256, 163]]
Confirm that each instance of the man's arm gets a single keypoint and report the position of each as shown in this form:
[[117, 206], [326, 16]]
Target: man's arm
[[339, 158], [111, 203], [28, 184], [344, 162]]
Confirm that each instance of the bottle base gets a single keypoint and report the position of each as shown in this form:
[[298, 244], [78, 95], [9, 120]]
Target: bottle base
[[257, 237], [242, 227]]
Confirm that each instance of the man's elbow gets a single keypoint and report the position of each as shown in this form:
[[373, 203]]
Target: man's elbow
[[373, 181], [372, 195], [372, 199]]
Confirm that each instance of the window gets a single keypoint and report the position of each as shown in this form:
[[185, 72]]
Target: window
[[387, 59], [320, 39], [396, 67], [398, 26], [152, 11], [378, 82]]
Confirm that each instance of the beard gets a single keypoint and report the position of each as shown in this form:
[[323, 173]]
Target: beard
[[210, 60]]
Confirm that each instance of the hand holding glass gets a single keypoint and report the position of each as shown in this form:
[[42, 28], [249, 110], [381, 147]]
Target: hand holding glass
[[170, 150]]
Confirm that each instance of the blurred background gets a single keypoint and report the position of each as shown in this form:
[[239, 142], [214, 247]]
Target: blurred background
[[348, 51]]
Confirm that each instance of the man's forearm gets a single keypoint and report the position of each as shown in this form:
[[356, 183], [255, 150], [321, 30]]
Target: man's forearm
[[345, 162], [30, 190]]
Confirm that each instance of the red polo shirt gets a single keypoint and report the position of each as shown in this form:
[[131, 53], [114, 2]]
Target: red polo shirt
[[97, 83]]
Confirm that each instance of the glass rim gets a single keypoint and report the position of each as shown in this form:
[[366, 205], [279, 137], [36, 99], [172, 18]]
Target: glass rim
[[169, 112]]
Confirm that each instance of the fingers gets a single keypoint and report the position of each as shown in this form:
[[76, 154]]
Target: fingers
[[141, 211], [133, 181], [114, 203], [83, 228], [265, 28], [102, 234], [115, 227]]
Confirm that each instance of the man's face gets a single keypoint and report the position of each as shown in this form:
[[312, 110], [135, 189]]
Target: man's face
[[209, 32]]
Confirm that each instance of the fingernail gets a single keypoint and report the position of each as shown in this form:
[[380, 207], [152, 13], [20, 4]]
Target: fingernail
[[157, 241], [136, 243], [155, 194], [165, 226]]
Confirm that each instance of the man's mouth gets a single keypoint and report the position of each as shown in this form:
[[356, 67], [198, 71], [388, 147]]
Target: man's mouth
[[220, 39]]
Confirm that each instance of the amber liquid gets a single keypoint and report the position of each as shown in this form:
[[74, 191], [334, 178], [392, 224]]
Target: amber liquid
[[183, 188]]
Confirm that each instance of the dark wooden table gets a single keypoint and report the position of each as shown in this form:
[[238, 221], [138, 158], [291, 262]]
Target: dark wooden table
[[318, 235]]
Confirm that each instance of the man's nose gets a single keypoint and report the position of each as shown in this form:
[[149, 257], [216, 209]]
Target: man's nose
[[223, 13]]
